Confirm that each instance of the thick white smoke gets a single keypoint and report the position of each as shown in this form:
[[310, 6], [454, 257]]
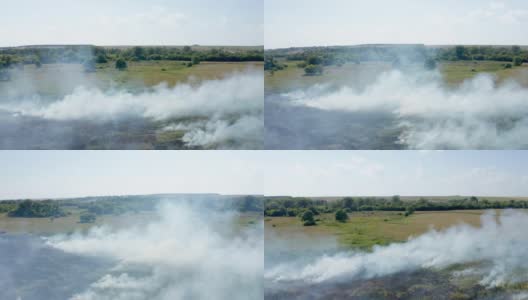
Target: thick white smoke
[[212, 112], [247, 129], [478, 114], [498, 247], [190, 253]]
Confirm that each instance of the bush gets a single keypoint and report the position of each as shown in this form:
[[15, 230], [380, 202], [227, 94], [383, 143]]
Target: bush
[[314, 210], [507, 66], [121, 64], [409, 211], [517, 61], [314, 60], [312, 70], [101, 59], [37, 209], [341, 216], [308, 218], [87, 218]]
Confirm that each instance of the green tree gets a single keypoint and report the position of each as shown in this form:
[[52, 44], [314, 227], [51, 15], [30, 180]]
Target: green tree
[[348, 202], [314, 60], [121, 64], [517, 61], [195, 60], [312, 70], [139, 53], [460, 52], [101, 59], [409, 211], [341, 216], [37, 209], [308, 218]]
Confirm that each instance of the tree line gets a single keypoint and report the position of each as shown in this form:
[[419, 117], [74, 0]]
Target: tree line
[[314, 59], [514, 54], [85, 53], [296, 206], [37, 209], [92, 207]]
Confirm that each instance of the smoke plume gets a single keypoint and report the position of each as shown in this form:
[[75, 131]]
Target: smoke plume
[[477, 114], [190, 253], [496, 251], [222, 113]]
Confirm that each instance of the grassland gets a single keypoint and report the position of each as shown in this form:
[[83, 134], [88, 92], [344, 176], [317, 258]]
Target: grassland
[[70, 223], [356, 75], [366, 229], [58, 79]]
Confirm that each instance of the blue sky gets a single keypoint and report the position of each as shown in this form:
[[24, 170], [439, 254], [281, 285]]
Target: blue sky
[[347, 22], [43, 174], [132, 22]]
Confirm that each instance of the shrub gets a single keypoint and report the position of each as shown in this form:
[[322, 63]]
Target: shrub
[[87, 218], [308, 218], [341, 216], [101, 59], [121, 64], [311, 70]]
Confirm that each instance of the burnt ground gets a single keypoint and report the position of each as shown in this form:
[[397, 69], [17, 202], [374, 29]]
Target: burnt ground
[[423, 284], [22, 132], [299, 127]]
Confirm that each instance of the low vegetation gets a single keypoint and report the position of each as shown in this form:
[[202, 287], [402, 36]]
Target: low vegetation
[[395, 54], [37, 209], [293, 68], [296, 206], [91, 207], [341, 216], [89, 56], [87, 218], [365, 229]]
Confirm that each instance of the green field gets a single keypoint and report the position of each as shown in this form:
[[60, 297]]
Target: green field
[[357, 75], [59, 79], [366, 229], [70, 223]]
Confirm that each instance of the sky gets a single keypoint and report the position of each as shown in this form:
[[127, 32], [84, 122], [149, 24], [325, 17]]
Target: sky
[[57, 174], [300, 23], [132, 22]]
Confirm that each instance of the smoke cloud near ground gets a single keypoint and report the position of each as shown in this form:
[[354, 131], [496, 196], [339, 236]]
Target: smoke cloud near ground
[[212, 113], [247, 131], [477, 114], [191, 252], [496, 252]]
